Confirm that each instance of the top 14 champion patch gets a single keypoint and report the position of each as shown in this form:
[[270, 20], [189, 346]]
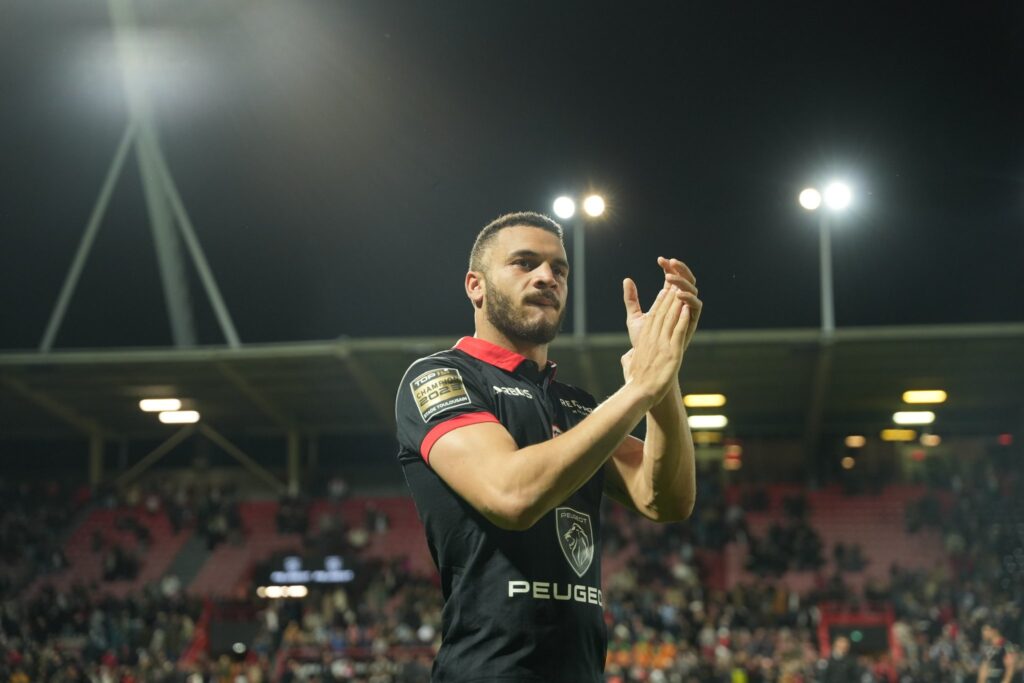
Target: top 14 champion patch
[[438, 390]]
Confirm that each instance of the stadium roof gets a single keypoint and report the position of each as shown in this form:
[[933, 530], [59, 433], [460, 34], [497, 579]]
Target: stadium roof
[[777, 382]]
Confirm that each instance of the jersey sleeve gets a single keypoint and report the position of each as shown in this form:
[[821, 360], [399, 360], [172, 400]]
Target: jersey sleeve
[[436, 396]]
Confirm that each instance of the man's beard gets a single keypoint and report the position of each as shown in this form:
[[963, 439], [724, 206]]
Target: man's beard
[[512, 323]]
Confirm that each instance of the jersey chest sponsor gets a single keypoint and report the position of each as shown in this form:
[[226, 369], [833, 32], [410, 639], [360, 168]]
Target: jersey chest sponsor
[[512, 391]]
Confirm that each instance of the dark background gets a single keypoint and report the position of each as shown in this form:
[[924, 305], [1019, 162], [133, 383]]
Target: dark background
[[337, 158]]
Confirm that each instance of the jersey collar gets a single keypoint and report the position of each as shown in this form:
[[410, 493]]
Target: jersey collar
[[498, 356]]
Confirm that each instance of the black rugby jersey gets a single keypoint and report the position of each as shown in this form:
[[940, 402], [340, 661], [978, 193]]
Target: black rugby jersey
[[519, 605]]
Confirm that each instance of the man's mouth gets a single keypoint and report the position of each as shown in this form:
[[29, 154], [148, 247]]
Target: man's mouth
[[543, 301]]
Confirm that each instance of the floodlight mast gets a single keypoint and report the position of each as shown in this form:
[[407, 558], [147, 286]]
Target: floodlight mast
[[837, 197], [565, 208]]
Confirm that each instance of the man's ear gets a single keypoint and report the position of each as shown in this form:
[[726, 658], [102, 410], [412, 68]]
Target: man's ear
[[475, 288]]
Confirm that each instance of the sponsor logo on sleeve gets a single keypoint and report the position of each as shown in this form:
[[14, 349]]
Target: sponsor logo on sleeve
[[576, 538], [438, 390]]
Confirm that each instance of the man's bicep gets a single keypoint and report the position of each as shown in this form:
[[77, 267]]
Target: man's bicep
[[469, 460]]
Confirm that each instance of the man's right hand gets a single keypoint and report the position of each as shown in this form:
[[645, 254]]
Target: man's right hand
[[658, 349]]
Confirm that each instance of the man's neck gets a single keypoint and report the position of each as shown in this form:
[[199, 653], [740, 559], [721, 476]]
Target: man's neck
[[538, 353]]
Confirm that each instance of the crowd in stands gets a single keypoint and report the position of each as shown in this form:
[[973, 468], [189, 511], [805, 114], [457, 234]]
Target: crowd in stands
[[664, 624]]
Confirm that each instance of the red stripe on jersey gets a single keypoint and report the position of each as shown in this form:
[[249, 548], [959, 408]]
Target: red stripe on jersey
[[448, 425]]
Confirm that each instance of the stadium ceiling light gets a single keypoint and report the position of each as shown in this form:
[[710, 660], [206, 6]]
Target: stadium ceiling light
[[898, 435], [810, 199], [855, 441], [704, 400], [838, 196], [924, 396], [564, 207], [275, 591], [179, 417], [930, 440], [707, 421], [913, 417], [593, 205], [159, 405], [847, 463], [707, 438]]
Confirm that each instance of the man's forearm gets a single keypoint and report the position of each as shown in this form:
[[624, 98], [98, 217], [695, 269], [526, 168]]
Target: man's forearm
[[540, 476], [668, 466]]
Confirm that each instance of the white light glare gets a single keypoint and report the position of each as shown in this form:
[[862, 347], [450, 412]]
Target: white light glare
[[810, 199], [565, 207], [704, 400], [593, 205], [707, 421], [913, 417], [179, 417], [158, 405], [838, 196]]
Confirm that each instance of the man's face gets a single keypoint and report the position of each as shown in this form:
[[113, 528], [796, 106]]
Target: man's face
[[526, 284], [988, 634], [841, 647]]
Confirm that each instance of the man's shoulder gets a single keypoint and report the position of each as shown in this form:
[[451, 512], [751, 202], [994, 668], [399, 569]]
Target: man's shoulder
[[446, 358]]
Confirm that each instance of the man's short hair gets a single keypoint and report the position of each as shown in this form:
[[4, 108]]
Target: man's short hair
[[509, 220]]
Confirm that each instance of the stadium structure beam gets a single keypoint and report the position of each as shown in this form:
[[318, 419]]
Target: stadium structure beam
[[381, 401], [590, 377], [155, 455], [269, 408], [240, 455], [820, 383], [86, 425], [99, 210], [96, 451], [294, 461]]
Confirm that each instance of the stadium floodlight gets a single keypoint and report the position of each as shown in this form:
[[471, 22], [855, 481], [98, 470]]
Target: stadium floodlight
[[810, 199], [847, 463], [930, 440], [159, 405], [179, 417], [564, 207], [913, 417], [704, 400], [855, 441], [707, 421], [838, 196], [275, 592], [898, 435], [593, 205], [924, 396]]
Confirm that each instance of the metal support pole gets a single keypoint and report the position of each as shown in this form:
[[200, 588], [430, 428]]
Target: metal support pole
[[168, 245], [220, 309], [828, 320], [294, 452], [88, 237], [579, 282], [96, 450]]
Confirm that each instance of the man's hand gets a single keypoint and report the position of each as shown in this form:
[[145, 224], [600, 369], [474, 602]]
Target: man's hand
[[653, 363], [678, 278]]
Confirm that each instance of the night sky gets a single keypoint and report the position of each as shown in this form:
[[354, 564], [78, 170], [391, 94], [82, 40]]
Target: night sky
[[337, 158]]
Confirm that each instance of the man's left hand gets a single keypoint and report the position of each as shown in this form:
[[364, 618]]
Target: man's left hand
[[678, 277]]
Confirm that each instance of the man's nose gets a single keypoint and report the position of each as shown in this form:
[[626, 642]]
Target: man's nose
[[544, 275]]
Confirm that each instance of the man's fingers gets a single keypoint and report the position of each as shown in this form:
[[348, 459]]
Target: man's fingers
[[668, 320], [681, 327], [681, 283], [631, 299], [676, 267]]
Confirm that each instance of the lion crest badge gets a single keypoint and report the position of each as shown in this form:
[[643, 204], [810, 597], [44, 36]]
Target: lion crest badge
[[576, 538]]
